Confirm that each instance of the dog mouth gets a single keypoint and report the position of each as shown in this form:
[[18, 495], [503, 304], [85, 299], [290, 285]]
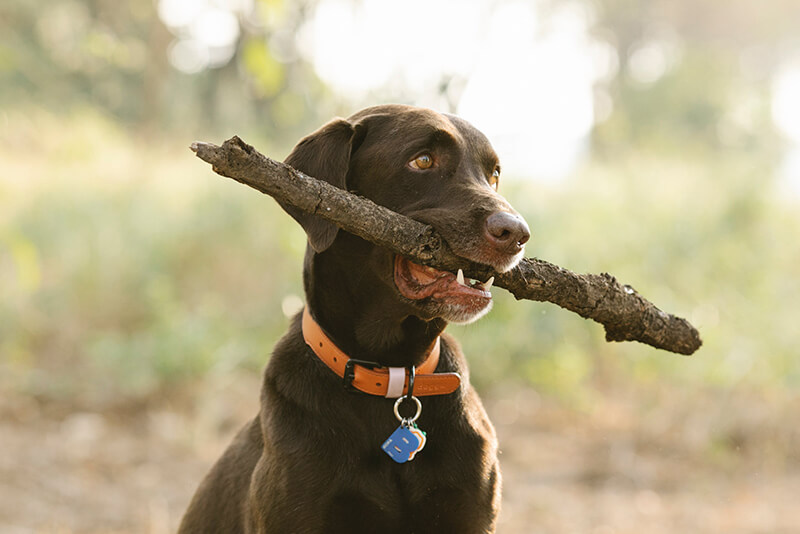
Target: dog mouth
[[464, 297]]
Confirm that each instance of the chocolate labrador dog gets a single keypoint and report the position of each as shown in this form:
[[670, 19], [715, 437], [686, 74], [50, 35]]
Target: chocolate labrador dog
[[342, 443]]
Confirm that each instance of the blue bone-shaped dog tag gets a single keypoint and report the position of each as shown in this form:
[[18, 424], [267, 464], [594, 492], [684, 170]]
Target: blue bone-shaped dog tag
[[403, 444]]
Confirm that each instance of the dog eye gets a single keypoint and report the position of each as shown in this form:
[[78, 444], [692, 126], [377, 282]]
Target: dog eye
[[422, 162], [494, 179]]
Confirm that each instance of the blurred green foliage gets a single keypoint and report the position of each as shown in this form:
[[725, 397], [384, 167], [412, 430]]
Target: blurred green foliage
[[118, 286], [112, 56], [125, 283], [127, 267]]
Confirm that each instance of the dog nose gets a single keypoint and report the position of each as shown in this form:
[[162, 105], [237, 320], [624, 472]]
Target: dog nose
[[507, 232]]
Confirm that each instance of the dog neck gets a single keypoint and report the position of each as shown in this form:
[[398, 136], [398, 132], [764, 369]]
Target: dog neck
[[363, 314]]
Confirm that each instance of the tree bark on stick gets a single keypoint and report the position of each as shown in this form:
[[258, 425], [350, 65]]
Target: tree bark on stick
[[625, 315]]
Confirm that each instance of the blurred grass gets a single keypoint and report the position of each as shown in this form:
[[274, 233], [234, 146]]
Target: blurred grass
[[128, 268]]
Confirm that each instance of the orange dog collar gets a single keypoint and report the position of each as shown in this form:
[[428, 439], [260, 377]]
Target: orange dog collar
[[370, 377]]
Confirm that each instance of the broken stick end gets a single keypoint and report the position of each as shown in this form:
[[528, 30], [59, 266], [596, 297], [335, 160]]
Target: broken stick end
[[208, 152]]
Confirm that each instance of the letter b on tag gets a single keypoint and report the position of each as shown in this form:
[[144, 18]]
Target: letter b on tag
[[402, 445]]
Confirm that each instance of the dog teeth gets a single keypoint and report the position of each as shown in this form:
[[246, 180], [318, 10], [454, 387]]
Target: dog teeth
[[470, 282]]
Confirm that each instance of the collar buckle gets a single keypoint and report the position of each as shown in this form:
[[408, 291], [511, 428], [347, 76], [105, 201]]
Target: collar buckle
[[350, 373]]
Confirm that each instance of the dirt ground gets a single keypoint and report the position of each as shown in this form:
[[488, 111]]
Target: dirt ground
[[698, 465]]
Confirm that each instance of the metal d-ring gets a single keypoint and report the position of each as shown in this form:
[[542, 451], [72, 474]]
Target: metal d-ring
[[412, 374], [407, 420]]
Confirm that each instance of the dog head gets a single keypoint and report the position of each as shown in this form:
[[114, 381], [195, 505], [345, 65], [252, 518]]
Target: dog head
[[431, 167]]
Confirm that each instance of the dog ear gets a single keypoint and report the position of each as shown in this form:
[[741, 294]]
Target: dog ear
[[325, 155]]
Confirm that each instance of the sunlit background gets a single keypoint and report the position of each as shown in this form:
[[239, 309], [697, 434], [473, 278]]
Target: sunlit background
[[140, 293]]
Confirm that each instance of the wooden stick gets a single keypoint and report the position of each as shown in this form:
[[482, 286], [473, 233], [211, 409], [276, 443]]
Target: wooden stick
[[625, 315]]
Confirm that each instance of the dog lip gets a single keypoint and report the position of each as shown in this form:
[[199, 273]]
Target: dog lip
[[417, 282]]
